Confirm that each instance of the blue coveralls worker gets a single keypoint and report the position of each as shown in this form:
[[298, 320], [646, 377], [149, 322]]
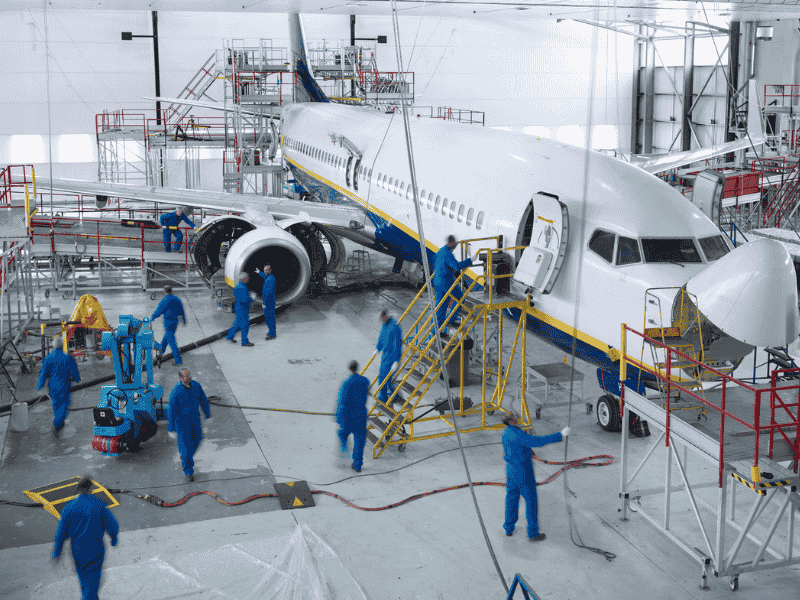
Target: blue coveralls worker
[[172, 309], [173, 219], [85, 520], [445, 268], [519, 473], [241, 310], [268, 300], [351, 414], [390, 343], [58, 369], [183, 418]]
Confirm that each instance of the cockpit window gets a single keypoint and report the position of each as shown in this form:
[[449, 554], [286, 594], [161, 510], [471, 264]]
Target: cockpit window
[[602, 243], [714, 247], [674, 250], [628, 251]]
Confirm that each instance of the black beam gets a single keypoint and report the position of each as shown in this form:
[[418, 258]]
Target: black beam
[[352, 43], [158, 74]]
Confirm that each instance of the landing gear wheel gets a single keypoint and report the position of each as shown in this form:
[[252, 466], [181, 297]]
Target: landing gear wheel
[[153, 296], [47, 293], [401, 447], [733, 583], [608, 413]]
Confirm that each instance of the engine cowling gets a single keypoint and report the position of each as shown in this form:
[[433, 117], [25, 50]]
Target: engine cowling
[[212, 242], [278, 248], [100, 201]]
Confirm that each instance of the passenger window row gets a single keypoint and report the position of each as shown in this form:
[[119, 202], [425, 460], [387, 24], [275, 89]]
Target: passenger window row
[[449, 208]]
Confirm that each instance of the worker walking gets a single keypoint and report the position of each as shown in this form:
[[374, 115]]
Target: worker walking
[[85, 520], [169, 224], [446, 267], [519, 473], [241, 310], [58, 369], [172, 309], [268, 299], [390, 343], [183, 418], [351, 414]]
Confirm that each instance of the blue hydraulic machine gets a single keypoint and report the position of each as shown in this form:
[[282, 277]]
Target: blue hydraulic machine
[[129, 410]]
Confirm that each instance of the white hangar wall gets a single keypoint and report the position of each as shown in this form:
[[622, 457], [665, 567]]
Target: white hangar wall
[[532, 76]]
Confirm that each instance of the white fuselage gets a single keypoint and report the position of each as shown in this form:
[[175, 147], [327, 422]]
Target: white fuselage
[[493, 175]]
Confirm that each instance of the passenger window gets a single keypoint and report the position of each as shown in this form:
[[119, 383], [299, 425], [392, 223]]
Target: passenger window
[[452, 209], [479, 220], [390, 183], [409, 192], [444, 207], [470, 213], [602, 243], [403, 188], [430, 200], [628, 251], [460, 213], [383, 184], [436, 206], [370, 173]]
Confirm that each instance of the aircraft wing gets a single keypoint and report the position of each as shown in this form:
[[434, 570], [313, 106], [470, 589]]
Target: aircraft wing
[[755, 130], [253, 204]]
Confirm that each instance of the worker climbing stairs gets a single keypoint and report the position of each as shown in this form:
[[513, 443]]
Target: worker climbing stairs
[[400, 419]]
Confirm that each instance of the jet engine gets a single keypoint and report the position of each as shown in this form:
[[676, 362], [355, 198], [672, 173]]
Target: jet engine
[[299, 255], [278, 248]]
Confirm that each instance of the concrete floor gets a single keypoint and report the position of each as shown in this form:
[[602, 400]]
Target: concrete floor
[[429, 548]]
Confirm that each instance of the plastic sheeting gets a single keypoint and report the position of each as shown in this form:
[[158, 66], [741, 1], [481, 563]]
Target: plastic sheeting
[[294, 566]]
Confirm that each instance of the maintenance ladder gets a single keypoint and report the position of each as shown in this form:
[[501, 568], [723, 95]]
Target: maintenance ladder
[[396, 422]]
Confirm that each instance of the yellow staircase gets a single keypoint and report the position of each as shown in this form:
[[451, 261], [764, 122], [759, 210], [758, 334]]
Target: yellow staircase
[[397, 422]]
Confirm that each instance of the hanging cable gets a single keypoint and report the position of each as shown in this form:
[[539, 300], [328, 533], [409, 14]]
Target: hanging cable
[[574, 534], [431, 297], [47, 86]]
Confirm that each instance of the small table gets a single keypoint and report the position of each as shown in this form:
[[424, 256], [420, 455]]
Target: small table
[[553, 374]]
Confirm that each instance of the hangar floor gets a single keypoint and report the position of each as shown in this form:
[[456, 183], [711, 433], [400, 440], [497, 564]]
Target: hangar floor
[[428, 548]]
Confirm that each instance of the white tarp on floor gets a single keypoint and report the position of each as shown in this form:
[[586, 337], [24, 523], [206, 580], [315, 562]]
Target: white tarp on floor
[[293, 566]]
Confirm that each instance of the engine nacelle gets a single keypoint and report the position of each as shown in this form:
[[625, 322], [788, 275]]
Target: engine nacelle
[[211, 243], [280, 249], [101, 201]]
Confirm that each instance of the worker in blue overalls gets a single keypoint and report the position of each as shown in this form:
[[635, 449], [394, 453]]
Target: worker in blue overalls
[[445, 268], [183, 418], [351, 414], [172, 309], [85, 520], [519, 473], [58, 369], [390, 343], [268, 291], [241, 310], [169, 223]]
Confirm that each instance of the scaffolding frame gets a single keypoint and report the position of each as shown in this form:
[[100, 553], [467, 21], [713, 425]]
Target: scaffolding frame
[[721, 553]]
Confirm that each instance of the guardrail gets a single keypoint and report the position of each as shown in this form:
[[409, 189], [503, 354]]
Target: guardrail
[[775, 393]]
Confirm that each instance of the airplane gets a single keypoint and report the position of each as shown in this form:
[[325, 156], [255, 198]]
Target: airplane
[[615, 249]]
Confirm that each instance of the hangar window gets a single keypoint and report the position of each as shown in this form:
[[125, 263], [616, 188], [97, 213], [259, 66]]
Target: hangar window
[[628, 251], [452, 209], [470, 213], [436, 206], [479, 220], [714, 247], [602, 243], [672, 250], [444, 206], [460, 213]]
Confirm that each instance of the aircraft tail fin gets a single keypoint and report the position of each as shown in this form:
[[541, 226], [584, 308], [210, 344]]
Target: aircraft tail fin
[[307, 89]]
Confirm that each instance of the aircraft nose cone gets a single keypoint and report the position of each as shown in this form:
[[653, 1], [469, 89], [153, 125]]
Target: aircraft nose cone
[[751, 294]]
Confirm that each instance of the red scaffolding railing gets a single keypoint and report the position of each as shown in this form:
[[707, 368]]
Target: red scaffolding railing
[[781, 95], [775, 395]]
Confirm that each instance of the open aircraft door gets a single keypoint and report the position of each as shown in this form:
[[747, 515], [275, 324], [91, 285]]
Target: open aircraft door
[[541, 262]]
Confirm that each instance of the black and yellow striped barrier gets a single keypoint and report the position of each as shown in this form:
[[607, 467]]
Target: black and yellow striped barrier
[[761, 487]]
